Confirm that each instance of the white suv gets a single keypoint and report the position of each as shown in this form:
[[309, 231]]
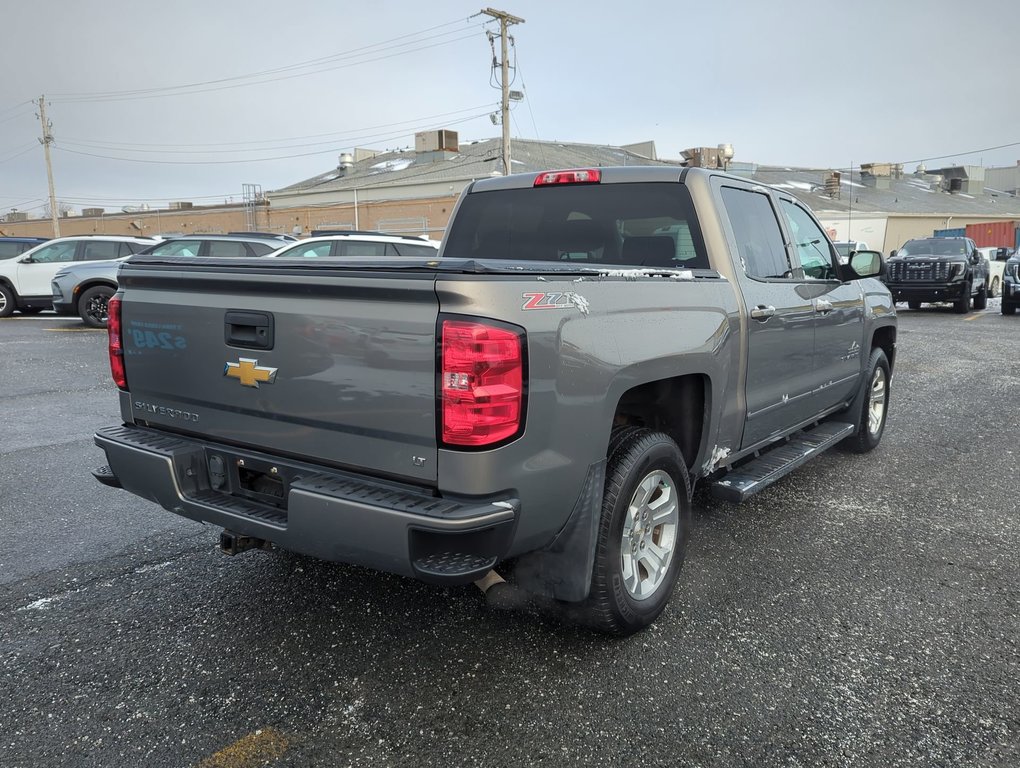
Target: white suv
[[356, 245], [25, 279]]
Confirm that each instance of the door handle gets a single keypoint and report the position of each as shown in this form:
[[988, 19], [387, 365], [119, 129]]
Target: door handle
[[822, 306], [762, 312]]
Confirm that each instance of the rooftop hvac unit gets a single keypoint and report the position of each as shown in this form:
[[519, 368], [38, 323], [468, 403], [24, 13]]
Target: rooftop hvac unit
[[181, 205], [436, 141], [93, 211], [832, 179]]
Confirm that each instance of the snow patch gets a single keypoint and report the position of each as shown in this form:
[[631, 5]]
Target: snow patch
[[718, 454], [393, 165], [579, 301], [634, 274]]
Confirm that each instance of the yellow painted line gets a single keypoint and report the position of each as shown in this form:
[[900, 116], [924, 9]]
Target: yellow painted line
[[973, 317], [254, 749], [75, 330]]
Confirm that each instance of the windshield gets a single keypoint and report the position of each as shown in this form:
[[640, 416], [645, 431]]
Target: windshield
[[936, 247], [649, 225]]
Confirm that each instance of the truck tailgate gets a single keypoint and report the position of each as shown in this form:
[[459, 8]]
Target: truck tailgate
[[330, 366]]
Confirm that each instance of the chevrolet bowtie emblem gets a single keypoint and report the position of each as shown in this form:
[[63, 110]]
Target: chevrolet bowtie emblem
[[249, 372]]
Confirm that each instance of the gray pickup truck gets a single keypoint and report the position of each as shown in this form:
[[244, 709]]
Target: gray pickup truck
[[587, 346]]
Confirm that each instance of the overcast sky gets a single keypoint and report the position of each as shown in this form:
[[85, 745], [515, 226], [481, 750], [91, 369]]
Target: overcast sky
[[813, 83]]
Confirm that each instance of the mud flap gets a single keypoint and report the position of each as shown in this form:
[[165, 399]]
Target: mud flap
[[563, 568]]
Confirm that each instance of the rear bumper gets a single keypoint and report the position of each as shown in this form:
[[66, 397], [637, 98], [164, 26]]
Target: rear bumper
[[939, 292], [325, 513]]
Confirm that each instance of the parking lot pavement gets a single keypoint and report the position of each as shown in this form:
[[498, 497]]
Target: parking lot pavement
[[864, 610]]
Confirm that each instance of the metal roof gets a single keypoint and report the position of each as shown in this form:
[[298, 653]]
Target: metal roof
[[476, 160], [906, 196]]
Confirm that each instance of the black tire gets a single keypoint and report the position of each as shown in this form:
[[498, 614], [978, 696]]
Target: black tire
[[914, 304], [92, 306], [1008, 309], [867, 437], [993, 292], [639, 455], [7, 301], [981, 300], [962, 305]]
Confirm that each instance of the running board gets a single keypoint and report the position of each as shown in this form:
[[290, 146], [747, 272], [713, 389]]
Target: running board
[[738, 484]]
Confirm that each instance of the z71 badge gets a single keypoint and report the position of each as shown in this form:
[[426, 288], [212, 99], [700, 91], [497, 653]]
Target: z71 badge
[[555, 301]]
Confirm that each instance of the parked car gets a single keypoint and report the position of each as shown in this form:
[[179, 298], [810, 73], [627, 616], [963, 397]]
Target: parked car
[[934, 269], [845, 247], [85, 289], [25, 280], [355, 245], [997, 258], [15, 246], [1011, 284]]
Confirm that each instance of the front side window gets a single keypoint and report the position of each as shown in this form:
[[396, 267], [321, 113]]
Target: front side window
[[100, 251], [51, 254], [756, 230], [811, 242], [308, 250], [177, 248]]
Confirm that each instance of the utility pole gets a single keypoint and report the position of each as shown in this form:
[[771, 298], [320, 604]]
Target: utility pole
[[505, 20], [46, 140]]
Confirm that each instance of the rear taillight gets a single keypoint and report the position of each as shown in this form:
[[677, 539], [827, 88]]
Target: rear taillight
[[481, 383], [578, 176], [116, 342]]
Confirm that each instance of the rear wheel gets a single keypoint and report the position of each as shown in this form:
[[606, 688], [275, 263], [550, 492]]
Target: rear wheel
[[643, 533], [914, 304], [6, 301], [1008, 309], [92, 306], [962, 305], [981, 300], [994, 289], [872, 406]]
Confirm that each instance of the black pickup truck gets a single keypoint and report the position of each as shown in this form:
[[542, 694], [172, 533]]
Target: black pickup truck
[[934, 269]]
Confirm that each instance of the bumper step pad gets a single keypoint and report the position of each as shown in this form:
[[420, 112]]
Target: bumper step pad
[[745, 481]]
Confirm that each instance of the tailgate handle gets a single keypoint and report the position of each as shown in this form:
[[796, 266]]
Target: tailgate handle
[[250, 330]]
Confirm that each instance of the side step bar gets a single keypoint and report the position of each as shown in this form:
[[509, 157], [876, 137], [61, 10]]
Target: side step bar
[[738, 484]]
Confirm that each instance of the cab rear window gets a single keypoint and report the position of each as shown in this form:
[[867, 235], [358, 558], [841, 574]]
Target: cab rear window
[[651, 225]]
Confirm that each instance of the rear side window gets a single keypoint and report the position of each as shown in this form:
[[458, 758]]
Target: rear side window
[[261, 249], [411, 249], [649, 225], [218, 248], [309, 250], [100, 251], [356, 249], [756, 230], [10, 250]]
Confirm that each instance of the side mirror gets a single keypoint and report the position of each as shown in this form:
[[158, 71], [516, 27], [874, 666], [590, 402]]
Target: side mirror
[[867, 263], [892, 253], [1002, 254]]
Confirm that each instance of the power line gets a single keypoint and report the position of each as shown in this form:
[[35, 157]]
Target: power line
[[961, 154], [261, 73], [191, 89], [249, 160], [25, 149], [334, 138]]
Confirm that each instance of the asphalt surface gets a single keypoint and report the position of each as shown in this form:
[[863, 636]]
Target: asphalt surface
[[862, 611]]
